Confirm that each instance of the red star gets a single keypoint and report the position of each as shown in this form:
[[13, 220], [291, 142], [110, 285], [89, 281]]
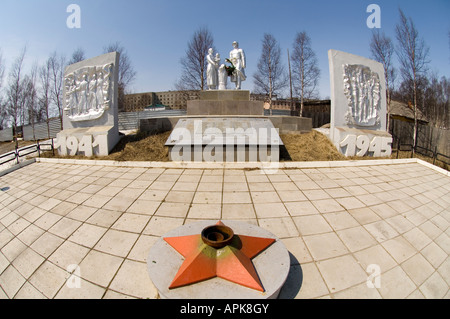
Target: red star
[[232, 262]]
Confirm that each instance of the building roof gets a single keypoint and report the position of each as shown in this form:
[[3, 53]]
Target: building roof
[[402, 109]]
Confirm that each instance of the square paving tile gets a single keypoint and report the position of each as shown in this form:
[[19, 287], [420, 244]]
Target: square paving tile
[[312, 283], [434, 254], [236, 198], [364, 215], [282, 227], [11, 281], [142, 247], [381, 230], [173, 210], [296, 247], [316, 194], [205, 211], [143, 207], [301, 208], [68, 254], [99, 267], [350, 202], [434, 287], [238, 211], [139, 285], [418, 269], [268, 210], [81, 213], [341, 272], [27, 262], [179, 197], [265, 197], [87, 235], [375, 255], [158, 225], [311, 225], [327, 205], [134, 223], [86, 290], [399, 248], [340, 220], [207, 198], [356, 238], [65, 227], [395, 284], [47, 244], [154, 195], [325, 246], [48, 279], [116, 242], [104, 217], [210, 187], [292, 196]]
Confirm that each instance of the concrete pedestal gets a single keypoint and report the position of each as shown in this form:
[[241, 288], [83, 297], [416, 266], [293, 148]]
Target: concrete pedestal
[[225, 102], [272, 266], [220, 139]]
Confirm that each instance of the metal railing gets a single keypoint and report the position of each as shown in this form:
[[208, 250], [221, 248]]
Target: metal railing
[[19, 153], [433, 154]]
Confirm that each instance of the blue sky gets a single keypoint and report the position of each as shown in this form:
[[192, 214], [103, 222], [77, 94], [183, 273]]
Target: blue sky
[[155, 32]]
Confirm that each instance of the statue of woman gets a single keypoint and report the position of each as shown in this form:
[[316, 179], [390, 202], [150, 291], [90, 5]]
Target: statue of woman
[[84, 93], [92, 93], [211, 71], [99, 92]]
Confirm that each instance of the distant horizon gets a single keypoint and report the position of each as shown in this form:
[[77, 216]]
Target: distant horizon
[[155, 33]]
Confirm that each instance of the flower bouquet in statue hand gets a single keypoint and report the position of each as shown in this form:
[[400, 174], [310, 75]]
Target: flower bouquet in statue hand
[[230, 69]]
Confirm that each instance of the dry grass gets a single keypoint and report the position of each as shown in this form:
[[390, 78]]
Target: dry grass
[[312, 146]]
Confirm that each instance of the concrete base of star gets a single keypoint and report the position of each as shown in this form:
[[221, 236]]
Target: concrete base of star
[[272, 266]]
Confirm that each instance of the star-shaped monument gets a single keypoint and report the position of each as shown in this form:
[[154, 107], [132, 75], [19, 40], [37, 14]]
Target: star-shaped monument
[[232, 262]]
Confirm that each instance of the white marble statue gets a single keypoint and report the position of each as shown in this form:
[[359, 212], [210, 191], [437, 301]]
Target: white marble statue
[[211, 71], [223, 77], [237, 57]]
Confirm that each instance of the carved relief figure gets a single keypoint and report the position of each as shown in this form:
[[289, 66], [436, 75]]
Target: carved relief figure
[[362, 89], [88, 92]]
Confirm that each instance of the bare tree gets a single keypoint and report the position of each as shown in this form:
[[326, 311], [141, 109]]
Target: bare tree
[[15, 92], [127, 74], [413, 57], [382, 50], [194, 64], [57, 65], [2, 69], [45, 98], [306, 70], [270, 77], [3, 116], [77, 56], [32, 97], [437, 100]]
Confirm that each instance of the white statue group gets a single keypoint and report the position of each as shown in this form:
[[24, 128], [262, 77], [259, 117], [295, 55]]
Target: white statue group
[[217, 75]]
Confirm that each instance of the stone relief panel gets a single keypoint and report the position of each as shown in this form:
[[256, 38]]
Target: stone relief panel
[[362, 88], [88, 92]]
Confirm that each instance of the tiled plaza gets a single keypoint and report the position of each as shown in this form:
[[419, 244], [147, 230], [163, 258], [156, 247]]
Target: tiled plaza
[[92, 226]]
